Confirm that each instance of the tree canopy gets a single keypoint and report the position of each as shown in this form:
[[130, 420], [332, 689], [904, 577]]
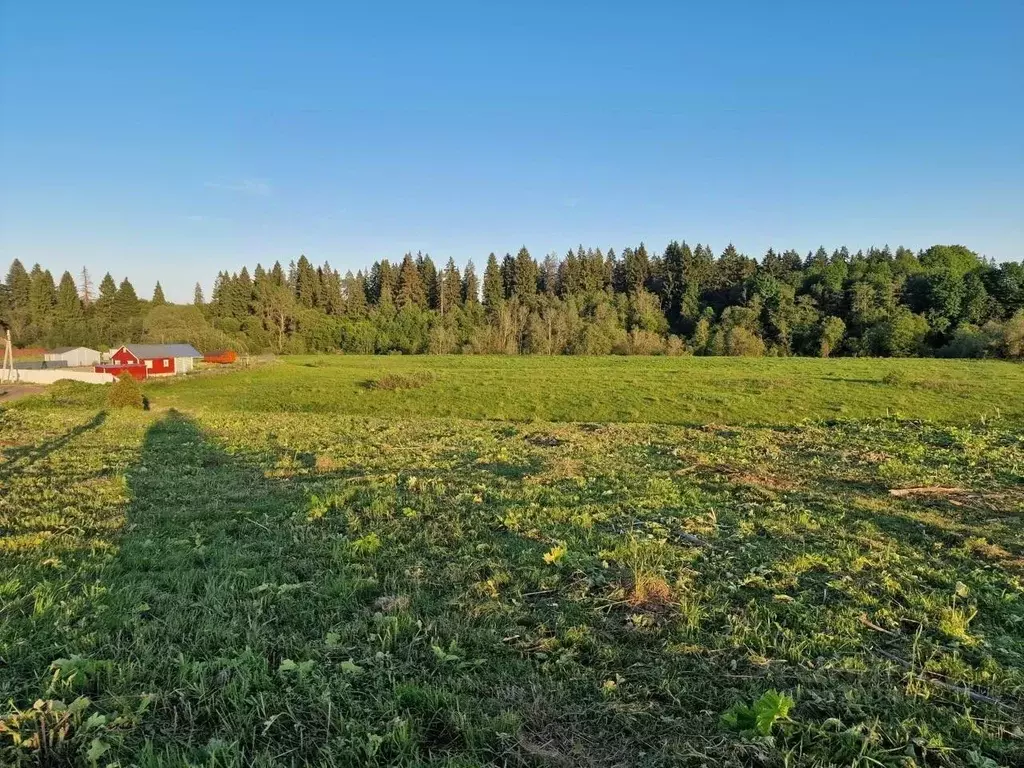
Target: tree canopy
[[944, 300]]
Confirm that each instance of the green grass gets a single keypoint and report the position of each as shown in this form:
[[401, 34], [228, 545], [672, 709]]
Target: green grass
[[658, 390], [232, 586]]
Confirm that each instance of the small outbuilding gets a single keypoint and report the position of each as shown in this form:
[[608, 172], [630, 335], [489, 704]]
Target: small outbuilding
[[72, 357], [221, 356], [145, 360]]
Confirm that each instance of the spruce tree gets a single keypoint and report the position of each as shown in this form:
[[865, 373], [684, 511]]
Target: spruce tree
[[470, 285], [68, 314], [450, 296], [19, 285], [277, 274], [638, 269], [197, 296], [158, 299], [428, 275], [494, 291], [331, 299], [241, 295], [307, 285], [42, 297], [410, 291], [354, 291], [508, 276], [126, 302], [524, 275], [105, 300]]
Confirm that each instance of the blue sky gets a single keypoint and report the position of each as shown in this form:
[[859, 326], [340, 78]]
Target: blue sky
[[171, 140]]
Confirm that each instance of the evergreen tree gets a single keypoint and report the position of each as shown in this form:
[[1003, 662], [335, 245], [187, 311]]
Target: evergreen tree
[[354, 291], [126, 302], [277, 276], [42, 298], [470, 285], [19, 286], [428, 275], [524, 275], [451, 288], [508, 276], [331, 298], [68, 314], [17, 291], [306, 282], [410, 291], [675, 260], [494, 291], [105, 302], [197, 296], [388, 284], [158, 299], [638, 269]]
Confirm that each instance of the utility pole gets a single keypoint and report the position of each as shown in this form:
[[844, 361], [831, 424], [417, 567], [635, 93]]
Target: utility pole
[[7, 372]]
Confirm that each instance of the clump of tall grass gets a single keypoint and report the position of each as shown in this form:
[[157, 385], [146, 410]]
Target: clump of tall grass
[[395, 381], [895, 378]]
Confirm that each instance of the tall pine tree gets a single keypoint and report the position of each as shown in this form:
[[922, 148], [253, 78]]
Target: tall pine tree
[[494, 287]]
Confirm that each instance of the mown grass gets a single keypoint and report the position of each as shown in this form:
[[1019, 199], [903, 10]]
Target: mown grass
[[689, 391], [255, 588]]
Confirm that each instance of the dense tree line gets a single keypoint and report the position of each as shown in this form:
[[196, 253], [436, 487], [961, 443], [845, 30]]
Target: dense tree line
[[941, 301]]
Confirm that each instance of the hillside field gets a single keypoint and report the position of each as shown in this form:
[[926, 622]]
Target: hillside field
[[447, 561], [665, 390]]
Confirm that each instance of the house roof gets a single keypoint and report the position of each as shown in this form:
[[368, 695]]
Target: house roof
[[149, 351], [62, 350]]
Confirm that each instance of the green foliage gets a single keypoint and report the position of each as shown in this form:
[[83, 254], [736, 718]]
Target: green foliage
[[876, 302], [125, 393], [760, 717], [69, 393], [831, 335], [740, 342]]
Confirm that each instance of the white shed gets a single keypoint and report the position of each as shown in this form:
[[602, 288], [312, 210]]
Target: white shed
[[73, 357]]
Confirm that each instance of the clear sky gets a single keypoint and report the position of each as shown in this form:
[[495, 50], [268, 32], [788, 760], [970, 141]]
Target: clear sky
[[171, 140]]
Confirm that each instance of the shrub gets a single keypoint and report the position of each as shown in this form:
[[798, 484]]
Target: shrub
[[1011, 341], [968, 341], [900, 335], [126, 393], [675, 346], [701, 336], [739, 342], [830, 335], [645, 343]]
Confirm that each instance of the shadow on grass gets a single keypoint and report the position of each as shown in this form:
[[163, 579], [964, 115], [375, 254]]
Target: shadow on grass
[[20, 459], [210, 591]]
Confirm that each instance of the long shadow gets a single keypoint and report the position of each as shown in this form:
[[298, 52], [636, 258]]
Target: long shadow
[[21, 458], [210, 592]]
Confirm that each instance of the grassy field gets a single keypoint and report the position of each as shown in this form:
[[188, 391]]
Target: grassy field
[[231, 579], [690, 391]]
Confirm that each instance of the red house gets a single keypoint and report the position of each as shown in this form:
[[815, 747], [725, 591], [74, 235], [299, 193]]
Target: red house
[[145, 360]]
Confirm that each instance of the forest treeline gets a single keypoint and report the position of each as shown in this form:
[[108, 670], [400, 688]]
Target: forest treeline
[[941, 301]]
